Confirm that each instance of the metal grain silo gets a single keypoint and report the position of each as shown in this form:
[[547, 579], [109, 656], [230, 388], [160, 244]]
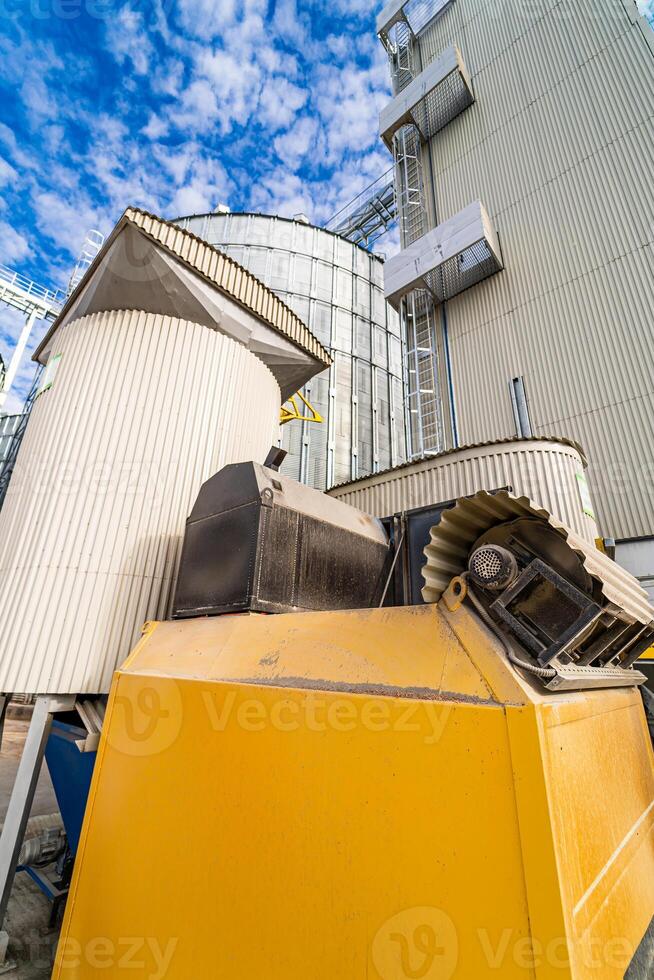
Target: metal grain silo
[[336, 287], [167, 363], [548, 471]]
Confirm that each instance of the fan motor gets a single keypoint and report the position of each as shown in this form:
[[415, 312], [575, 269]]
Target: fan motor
[[492, 567]]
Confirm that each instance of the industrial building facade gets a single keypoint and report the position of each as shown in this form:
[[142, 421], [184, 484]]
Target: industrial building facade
[[336, 288], [523, 140]]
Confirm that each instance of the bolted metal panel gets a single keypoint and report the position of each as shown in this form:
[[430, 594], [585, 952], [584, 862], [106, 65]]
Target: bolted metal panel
[[336, 288], [143, 408], [546, 470]]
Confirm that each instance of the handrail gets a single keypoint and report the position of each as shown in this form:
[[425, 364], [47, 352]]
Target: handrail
[[52, 297]]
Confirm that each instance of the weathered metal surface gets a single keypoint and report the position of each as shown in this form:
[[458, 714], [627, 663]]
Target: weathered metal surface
[[451, 540], [256, 540], [547, 470], [322, 843]]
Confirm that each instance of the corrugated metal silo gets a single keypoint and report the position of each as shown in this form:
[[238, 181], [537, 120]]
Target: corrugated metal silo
[[142, 410], [335, 287], [548, 471], [139, 407]]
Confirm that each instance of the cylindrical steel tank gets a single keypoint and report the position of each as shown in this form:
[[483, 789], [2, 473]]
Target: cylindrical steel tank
[[143, 409], [548, 471], [336, 288]]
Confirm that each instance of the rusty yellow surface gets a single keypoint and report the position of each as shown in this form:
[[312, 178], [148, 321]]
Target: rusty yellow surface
[[368, 795]]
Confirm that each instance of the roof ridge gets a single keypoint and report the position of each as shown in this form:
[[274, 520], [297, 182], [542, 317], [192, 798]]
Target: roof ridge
[[320, 352]]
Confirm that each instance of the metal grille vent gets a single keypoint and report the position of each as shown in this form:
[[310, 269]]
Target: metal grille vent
[[492, 567], [443, 104], [469, 267]]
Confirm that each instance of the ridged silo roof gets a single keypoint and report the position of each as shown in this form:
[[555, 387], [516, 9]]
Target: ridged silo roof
[[231, 278], [216, 268]]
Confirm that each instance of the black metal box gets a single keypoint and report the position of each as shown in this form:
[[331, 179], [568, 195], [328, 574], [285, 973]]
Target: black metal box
[[258, 541]]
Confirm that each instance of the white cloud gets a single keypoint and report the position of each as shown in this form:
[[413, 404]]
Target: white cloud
[[66, 221], [29, 66], [206, 18], [235, 83], [284, 193], [14, 247], [128, 40], [280, 102], [156, 127], [297, 142], [7, 173], [198, 107], [349, 100], [294, 27], [205, 186]]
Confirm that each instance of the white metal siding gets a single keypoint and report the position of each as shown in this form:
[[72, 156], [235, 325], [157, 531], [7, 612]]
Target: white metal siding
[[545, 472], [559, 145], [143, 409]]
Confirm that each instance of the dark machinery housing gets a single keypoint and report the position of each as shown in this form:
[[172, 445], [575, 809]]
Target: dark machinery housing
[[258, 541]]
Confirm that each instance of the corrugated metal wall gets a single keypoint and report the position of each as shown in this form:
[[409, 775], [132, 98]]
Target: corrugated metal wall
[[142, 410], [336, 288], [546, 472], [559, 146]]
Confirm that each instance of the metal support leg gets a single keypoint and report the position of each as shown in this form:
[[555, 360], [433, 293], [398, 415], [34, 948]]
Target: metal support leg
[[4, 703], [22, 795], [19, 350]]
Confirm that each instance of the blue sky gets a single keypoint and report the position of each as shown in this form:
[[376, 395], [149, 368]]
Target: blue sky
[[176, 106]]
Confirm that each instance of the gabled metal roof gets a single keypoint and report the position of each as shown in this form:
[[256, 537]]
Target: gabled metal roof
[[216, 268]]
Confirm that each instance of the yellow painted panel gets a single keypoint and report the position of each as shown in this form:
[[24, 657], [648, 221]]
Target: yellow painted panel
[[294, 835], [404, 648], [598, 761], [333, 795]]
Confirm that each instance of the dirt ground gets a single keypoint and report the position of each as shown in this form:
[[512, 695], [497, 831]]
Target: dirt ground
[[31, 941]]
